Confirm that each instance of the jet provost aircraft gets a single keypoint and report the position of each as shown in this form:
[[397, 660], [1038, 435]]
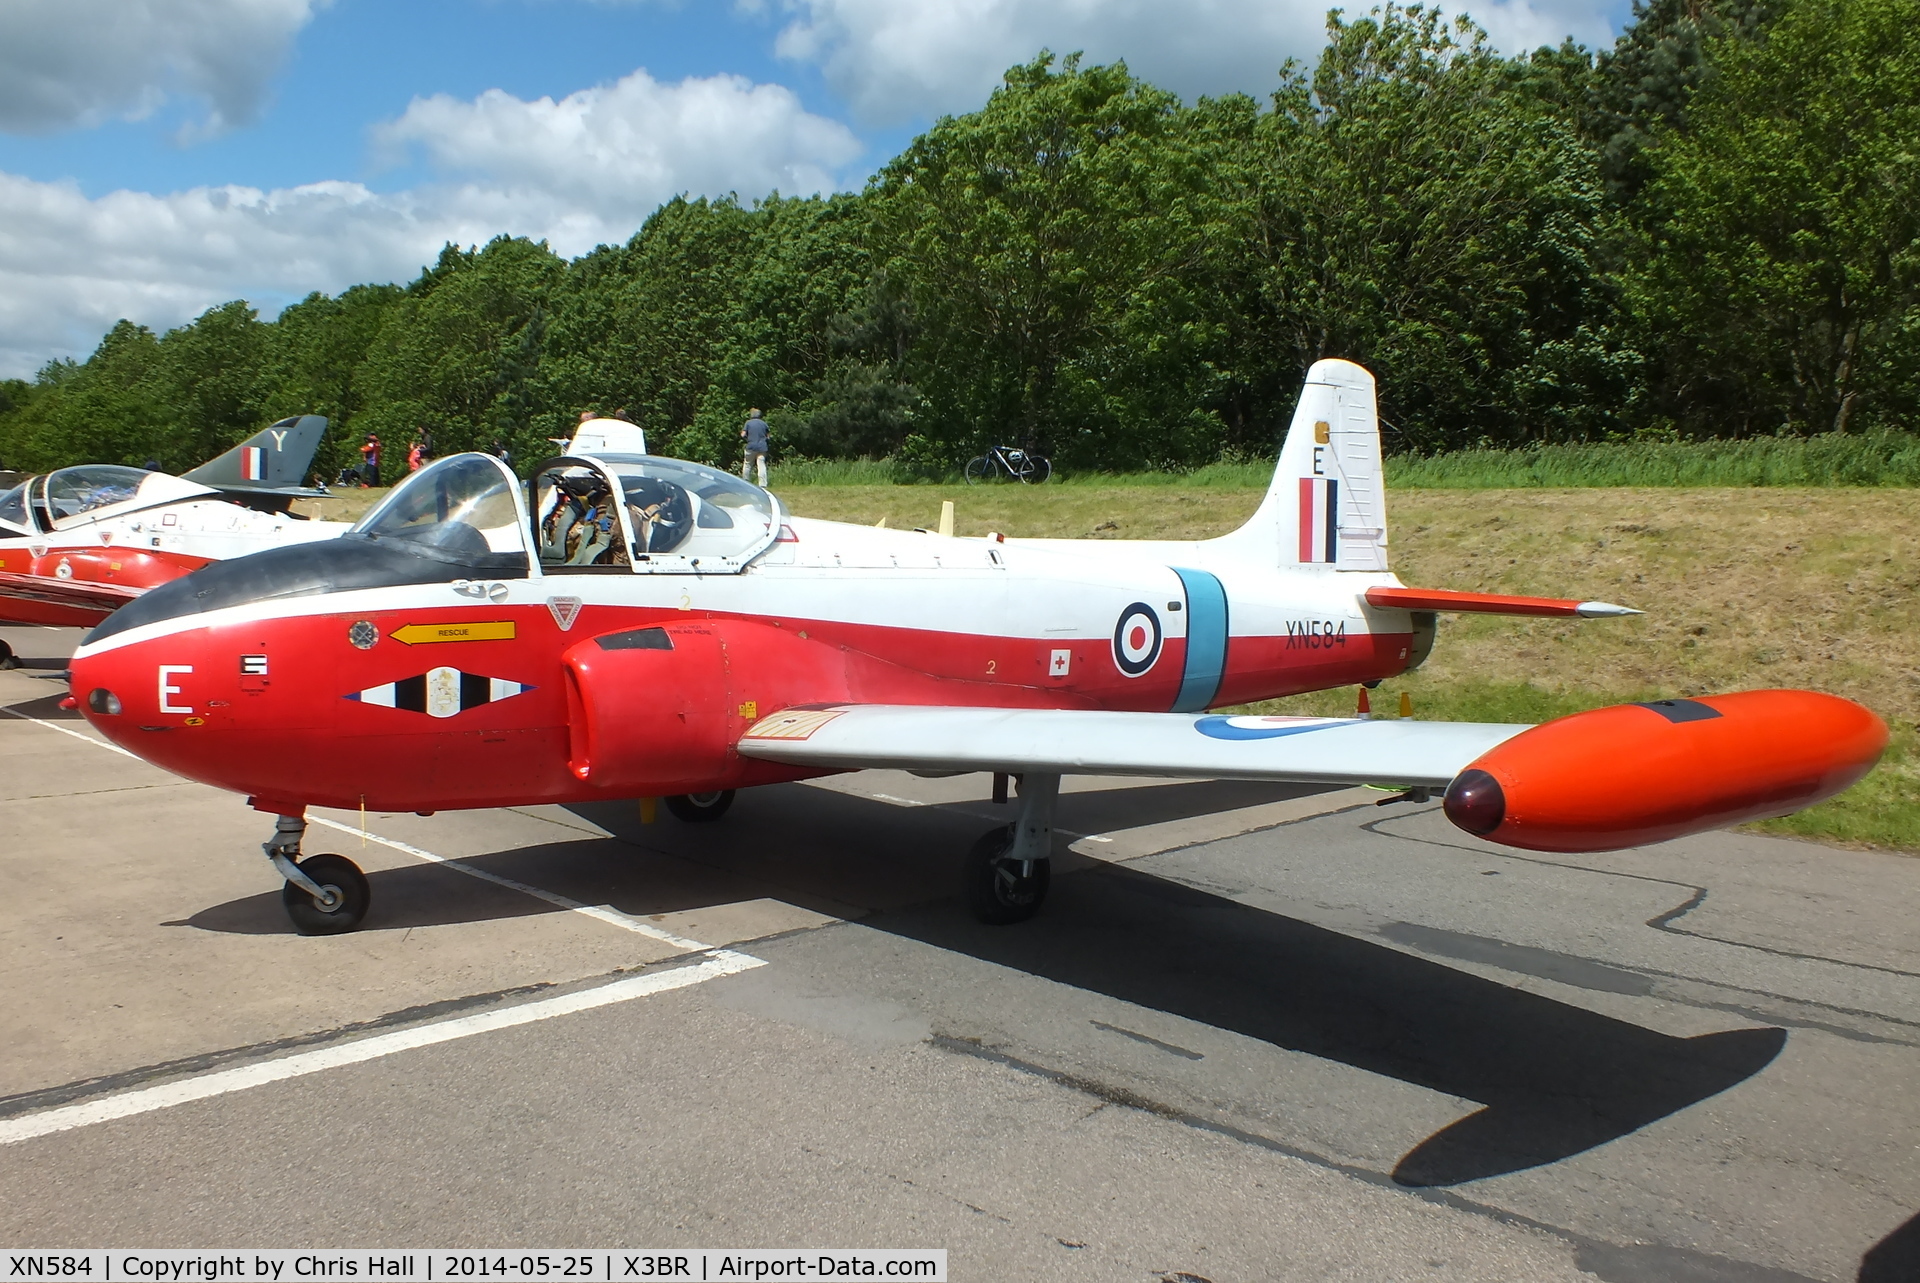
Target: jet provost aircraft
[[78, 543], [625, 626]]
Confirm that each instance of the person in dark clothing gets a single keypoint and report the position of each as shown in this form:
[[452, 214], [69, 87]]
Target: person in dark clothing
[[370, 461], [755, 436]]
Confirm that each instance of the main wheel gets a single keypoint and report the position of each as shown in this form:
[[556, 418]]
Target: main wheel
[[700, 808], [6, 656], [979, 470], [997, 891], [342, 877]]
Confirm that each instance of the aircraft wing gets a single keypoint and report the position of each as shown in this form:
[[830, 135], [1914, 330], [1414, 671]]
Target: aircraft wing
[[1313, 750], [77, 593]]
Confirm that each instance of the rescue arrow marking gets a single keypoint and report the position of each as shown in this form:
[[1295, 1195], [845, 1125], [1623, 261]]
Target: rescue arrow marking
[[422, 634]]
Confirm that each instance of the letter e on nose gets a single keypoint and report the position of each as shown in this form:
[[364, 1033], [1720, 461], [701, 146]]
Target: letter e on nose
[[166, 688]]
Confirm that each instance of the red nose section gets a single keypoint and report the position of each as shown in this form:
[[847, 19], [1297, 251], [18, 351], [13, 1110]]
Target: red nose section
[[1639, 773]]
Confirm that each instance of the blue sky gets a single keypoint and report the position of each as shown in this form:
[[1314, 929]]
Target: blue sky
[[158, 157]]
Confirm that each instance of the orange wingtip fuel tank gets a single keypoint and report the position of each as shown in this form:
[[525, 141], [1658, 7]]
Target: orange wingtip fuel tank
[[1639, 773]]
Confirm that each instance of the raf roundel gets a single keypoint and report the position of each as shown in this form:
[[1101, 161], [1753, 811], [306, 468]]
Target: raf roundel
[[1136, 640]]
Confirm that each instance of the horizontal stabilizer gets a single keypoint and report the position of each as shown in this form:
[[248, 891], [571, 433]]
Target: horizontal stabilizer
[[1481, 603]]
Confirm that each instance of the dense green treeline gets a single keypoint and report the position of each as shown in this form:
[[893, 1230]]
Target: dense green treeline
[[1710, 231]]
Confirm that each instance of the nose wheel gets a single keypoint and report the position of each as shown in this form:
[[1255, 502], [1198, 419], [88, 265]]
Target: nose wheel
[[325, 895], [341, 904]]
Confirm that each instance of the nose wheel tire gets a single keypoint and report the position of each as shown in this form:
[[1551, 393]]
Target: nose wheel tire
[[700, 808], [1001, 891], [348, 892]]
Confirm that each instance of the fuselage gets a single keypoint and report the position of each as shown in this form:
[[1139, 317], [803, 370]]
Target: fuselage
[[565, 684]]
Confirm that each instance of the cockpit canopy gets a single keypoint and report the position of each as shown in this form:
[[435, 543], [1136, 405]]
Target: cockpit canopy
[[89, 492], [461, 507], [625, 513], [647, 515]]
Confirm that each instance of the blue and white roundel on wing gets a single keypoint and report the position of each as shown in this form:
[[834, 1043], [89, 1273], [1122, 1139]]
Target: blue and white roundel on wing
[[1136, 640], [1264, 728]]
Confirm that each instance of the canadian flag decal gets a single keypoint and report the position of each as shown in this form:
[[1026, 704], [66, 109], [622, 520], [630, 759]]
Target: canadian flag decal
[[1319, 519]]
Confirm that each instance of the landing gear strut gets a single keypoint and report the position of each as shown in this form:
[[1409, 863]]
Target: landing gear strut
[[325, 894], [1009, 868]]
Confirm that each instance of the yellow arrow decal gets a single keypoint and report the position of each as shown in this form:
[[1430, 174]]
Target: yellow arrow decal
[[420, 634]]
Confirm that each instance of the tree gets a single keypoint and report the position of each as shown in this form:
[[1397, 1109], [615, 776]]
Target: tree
[[459, 353], [1423, 208], [1645, 82], [1781, 271], [1048, 245]]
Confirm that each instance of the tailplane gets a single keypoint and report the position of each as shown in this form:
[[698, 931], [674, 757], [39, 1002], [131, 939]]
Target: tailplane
[[1327, 504]]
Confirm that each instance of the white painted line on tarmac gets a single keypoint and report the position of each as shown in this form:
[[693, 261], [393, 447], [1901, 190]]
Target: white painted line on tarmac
[[221, 1082], [601, 912], [64, 730]]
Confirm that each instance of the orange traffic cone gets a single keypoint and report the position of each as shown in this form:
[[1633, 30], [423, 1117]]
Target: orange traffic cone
[[1365, 709], [1406, 704]]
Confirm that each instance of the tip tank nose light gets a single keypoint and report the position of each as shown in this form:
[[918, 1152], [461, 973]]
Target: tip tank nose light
[[103, 701], [1639, 773], [1475, 803]]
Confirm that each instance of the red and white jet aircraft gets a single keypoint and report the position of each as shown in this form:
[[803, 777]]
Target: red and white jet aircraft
[[626, 626], [80, 542]]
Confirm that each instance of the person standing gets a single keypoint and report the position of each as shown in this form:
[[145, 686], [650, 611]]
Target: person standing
[[755, 435], [415, 453], [370, 461]]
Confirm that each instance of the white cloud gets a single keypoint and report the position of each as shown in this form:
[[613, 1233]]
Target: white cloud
[[580, 172], [894, 61], [66, 63], [620, 149]]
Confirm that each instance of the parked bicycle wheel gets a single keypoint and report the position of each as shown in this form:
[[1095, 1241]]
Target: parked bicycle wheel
[[980, 469], [1029, 468]]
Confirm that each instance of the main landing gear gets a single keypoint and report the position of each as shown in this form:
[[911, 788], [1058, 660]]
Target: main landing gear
[[700, 808], [6, 656], [325, 894], [1009, 868]]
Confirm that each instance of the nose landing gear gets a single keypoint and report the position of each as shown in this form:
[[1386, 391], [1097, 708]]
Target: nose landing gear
[[325, 894]]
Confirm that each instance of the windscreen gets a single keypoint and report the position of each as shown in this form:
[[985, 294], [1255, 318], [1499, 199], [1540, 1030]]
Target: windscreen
[[461, 507], [13, 511]]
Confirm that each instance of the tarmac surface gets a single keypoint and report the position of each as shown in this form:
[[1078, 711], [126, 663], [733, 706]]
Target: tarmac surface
[[1256, 1033]]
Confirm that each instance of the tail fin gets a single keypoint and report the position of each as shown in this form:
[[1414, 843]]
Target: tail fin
[[271, 462], [1327, 504]]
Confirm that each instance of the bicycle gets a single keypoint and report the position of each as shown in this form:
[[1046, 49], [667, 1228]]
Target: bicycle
[[1023, 466]]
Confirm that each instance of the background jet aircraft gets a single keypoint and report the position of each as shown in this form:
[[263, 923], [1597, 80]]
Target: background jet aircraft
[[626, 626], [77, 543]]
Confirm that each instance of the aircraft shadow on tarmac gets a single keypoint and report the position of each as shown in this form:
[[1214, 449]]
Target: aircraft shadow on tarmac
[[1553, 1079], [1895, 1258]]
